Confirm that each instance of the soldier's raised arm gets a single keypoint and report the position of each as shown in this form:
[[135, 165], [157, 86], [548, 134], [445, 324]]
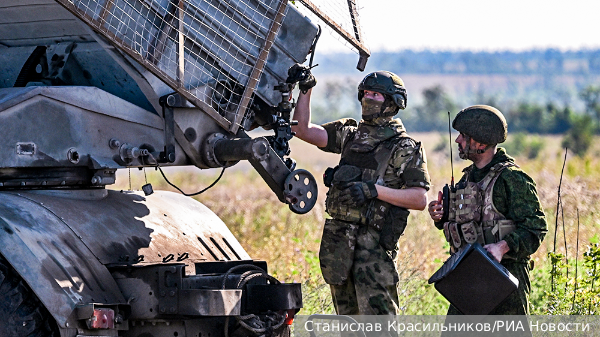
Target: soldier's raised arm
[[306, 130]]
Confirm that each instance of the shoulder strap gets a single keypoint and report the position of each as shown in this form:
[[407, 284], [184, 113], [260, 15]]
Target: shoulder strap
[[384, 156], [495, 173], [347, 140]]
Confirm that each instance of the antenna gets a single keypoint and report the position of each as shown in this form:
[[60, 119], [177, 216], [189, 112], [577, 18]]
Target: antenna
[[445, 200], [450, 144]]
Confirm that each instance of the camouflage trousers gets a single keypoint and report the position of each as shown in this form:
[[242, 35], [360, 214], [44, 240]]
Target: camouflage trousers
[[371, 285]]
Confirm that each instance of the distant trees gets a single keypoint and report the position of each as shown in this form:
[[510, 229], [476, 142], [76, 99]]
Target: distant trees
[[591, 97], [432, 114], [532, 62], [535, 118], [522, 118], [337, 99], [579, 138]]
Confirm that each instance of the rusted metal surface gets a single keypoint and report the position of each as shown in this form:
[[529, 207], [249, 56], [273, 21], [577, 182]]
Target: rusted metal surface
[[258, 66]]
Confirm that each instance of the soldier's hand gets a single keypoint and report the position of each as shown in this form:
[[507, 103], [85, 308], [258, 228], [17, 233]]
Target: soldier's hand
[[435, 208], [497, 249], [307, 83], [301, 74], [357, 193]]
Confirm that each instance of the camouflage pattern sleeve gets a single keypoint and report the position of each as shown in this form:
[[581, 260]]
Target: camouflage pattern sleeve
[[410, 164], [516, 197], [337, 131]]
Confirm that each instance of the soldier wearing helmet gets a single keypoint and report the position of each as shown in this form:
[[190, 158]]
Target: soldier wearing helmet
[[503, 212], [382, 174]]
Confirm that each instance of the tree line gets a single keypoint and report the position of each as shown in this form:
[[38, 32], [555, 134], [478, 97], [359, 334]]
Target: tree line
[[336, 99], [578, 127], [531, 62]]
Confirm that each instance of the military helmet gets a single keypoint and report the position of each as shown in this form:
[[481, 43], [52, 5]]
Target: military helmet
[[483, 123], [387, 83]]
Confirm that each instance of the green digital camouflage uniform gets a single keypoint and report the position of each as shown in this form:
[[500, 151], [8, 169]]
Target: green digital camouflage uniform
[[361, 272], [514, 195]]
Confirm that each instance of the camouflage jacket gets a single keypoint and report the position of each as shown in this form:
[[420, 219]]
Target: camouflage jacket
[[407, 166], [398, 173], [515, 196]]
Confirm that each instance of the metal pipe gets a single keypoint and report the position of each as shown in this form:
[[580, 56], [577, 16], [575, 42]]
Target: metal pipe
[[228, 150]]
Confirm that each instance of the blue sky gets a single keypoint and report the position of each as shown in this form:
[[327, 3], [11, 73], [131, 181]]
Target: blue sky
[[477, 25]]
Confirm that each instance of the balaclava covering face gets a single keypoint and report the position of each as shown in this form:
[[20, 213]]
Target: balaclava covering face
[[373, 109]]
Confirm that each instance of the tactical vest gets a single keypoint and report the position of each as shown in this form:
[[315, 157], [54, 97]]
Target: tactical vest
[[472, 215], [367, 167]]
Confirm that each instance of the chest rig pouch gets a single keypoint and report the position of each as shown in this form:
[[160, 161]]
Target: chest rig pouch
[[369, 166], [472, 215]]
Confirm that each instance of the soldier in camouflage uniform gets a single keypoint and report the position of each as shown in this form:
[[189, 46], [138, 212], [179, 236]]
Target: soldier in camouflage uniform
[[381, 175], [495, 203]]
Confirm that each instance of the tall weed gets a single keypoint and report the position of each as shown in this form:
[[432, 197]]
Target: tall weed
[[289, 242]]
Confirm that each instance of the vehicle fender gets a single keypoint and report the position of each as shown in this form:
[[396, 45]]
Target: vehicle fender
[[51, 258]]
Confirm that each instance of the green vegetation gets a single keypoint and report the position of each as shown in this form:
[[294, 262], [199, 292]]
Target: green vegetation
[[544, 62], [337, 99], [579, 137], [289, 243], [567, 288], [539, 131], [520, 144]]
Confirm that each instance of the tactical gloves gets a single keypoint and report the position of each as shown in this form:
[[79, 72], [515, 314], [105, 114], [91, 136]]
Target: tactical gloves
[[301, 74], [357, 193], [307, 83]]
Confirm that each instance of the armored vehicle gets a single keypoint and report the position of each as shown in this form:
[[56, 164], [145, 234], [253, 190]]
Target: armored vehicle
[[88, 87]]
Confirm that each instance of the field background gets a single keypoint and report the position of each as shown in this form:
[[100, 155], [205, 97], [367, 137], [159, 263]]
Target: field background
[[289, 243]]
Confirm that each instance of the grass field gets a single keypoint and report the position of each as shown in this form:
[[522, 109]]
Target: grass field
[[269, 231]]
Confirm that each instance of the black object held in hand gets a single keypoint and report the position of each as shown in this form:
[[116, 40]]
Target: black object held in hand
[[301, 74], [448, 188], [445, 203]]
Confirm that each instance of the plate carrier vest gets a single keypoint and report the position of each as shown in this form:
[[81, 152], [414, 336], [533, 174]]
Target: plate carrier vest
[[472, 216], [369, 166]]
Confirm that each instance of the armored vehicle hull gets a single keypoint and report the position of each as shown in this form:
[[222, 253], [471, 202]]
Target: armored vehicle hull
[[163, 261], [88, 87]]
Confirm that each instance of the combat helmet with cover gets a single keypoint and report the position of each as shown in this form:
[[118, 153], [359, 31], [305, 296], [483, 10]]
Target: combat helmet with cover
[[388, 84], [483, 123]]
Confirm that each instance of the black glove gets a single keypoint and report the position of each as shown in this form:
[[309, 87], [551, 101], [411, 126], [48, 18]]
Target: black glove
[[301, 74], [357, 193]]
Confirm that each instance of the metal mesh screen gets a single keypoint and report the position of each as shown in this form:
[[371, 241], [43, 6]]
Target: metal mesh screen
[[210, 51], [342, 19]]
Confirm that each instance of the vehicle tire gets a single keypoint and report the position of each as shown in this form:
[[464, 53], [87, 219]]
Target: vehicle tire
[[21, 312]]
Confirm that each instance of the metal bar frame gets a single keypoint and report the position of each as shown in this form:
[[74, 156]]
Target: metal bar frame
[[176, 83], [180, 44], [354, 18], [363, 50], [259, 66]]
